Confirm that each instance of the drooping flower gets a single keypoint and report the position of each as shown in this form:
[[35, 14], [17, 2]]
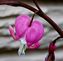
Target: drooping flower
[[51, 55], [34, 33], [29, 36], [21, 25]]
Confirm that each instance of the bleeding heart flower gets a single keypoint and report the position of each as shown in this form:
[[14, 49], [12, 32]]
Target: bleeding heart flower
[[21, 25], [28, 35], [34, 33]]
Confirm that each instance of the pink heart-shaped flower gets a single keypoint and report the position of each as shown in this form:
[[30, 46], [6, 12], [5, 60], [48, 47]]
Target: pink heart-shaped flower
[[35, 32], [21, 25]]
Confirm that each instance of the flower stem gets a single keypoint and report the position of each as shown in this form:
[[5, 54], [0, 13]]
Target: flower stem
[[35, 2], [56, 39], [32, 18]]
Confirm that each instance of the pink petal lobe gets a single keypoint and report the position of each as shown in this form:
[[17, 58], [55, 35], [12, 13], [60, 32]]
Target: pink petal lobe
[[35, 32], [21, 24], [11, 30], [35, 46]]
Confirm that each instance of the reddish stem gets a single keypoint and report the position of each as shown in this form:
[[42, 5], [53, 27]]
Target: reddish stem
[[32, 19], [35, 2]]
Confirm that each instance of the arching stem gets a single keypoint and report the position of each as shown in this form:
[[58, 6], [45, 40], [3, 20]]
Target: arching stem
[[40, 13], [56, 39]]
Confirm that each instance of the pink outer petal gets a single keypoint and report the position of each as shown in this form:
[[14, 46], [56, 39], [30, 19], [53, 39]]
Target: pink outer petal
[[21, 24], [52, 48], [35, 32], [35, 46], [11, 30]]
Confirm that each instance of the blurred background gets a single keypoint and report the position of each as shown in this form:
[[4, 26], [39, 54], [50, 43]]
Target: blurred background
[[9, 48]]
